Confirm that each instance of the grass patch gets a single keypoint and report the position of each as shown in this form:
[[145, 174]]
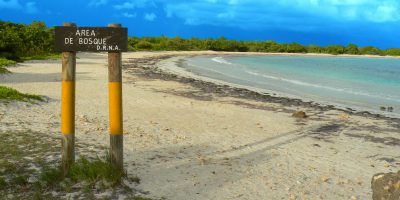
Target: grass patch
[[93, 175], [18, 166], [90, 172], [21, 180], [3, 70], [96, 170], [51, 176], [7, 93], [96, 174], [29, 170], [3, 183], [5, 62]]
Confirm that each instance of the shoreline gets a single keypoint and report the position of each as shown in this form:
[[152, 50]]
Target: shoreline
[[159, 67], [232, 53], [189, 139]]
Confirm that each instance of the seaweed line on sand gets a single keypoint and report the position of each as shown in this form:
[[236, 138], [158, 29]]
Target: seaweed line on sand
[[147, 68]]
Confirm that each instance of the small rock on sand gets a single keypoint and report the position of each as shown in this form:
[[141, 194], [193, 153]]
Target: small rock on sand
[[300, 115], [325, 179], [386, 186]]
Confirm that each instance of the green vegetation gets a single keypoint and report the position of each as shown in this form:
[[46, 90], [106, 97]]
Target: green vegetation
[[18, 40], [7, 93], [23, 153], [3, 70], [28, 170], [5, 62], [95, 171], [21, 42], [222, 44]]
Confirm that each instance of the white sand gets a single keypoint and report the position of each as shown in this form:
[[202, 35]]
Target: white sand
[[184, 148]]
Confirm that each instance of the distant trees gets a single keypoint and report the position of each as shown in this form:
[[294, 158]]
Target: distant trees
[[18, 40], [370, 50], [314, 49], [352, 49], [335, 49], [222, 44], [295, 48], [392, 52]]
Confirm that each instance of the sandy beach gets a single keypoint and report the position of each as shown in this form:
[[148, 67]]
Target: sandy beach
[[188, 139]]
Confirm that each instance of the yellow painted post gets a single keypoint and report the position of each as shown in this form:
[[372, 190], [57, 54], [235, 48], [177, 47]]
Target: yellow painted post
[[68, 108], [115, 106]]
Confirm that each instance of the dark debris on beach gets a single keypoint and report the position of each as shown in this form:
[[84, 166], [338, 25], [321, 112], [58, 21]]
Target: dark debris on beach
[[146, 68]]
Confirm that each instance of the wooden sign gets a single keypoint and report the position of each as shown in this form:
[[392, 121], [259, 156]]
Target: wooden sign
[[69, 39], [96, 39]]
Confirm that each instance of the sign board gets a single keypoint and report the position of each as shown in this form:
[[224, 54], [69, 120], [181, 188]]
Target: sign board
[[108, 39]]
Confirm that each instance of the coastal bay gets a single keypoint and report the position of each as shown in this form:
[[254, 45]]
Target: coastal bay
[[191, 138]]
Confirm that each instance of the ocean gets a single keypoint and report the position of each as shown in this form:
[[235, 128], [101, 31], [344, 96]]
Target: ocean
[[360, 83]]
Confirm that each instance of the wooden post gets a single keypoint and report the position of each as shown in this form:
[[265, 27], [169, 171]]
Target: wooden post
[[115, 106], [68, 108]]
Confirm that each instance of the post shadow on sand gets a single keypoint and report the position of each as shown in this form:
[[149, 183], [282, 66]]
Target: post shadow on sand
[[209, 170], [208, 166]]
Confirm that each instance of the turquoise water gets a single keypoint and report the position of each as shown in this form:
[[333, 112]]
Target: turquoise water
[[361, 83]]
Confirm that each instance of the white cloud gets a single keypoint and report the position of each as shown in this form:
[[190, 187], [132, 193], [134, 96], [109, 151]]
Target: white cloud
[[226, 15], [11, 4], [150, 16], [129, 15], [363, 10], [384, 13], [126, 5], [257, 14], [298, 14], [131, 4], [29, 7], [96, 3]]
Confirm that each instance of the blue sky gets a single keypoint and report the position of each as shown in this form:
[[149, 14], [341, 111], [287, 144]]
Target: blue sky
[[322, 22]]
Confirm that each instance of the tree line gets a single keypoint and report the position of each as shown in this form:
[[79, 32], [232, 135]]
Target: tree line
[[222, 44], [20, 40]]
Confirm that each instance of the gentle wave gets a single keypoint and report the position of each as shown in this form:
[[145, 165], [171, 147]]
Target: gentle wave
[[221, 60], [349, 91]]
